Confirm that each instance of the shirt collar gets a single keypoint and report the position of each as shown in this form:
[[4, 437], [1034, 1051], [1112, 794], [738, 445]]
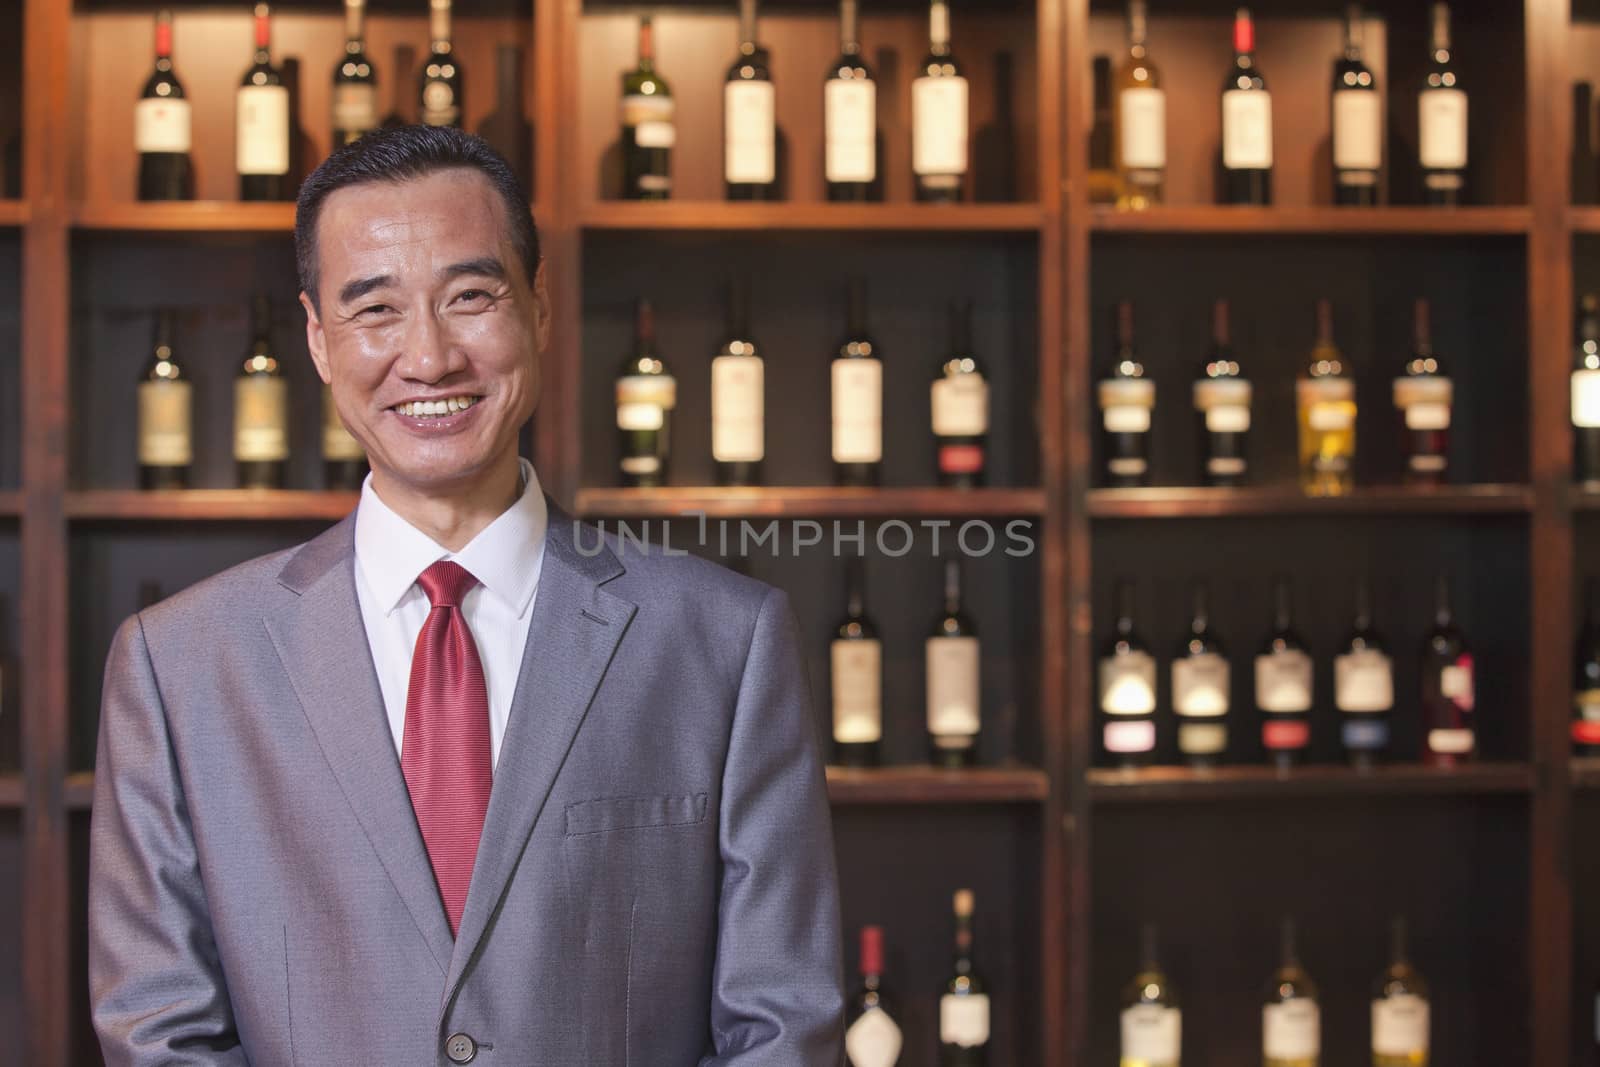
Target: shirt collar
[[506, 556]]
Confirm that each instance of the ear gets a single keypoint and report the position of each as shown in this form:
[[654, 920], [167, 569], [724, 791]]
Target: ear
[[316, 340], [542, 312]]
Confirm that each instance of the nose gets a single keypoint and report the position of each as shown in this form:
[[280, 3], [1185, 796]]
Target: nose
[[430, 353]]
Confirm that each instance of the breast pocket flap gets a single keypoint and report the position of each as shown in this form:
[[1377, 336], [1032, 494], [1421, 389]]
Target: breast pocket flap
[[634, 813]]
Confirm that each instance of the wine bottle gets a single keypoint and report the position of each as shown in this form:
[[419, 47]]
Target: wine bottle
[[262, 122], [856, 657], [1586, 676], [1442, 120], [646, 394], [1246, 122], [405, 61], [1326, 398], [161, 126], [850, 118], [355, 85], [1127, 398], [1586, 395], [1202, 688], [301, 147], [750, 118], [1357, 121], [960, 403], [507, 128], [1363, 686], [344, 461], [857, 387], [994, 143], [1283, 671], [872, 1038], [964, 1007], [939, 115], [261, 408], [1152, 1022], [1400, 1010], [738, 396], [951, 653], [1291, 1021], [1423, 394], [649, 124], [166, 415], [1448, 687], [1127, 688], [1140, 129], [439, 88], [1102, 170], [1222, 397]]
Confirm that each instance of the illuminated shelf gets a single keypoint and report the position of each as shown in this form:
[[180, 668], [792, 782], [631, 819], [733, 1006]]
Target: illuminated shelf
[[1152, 784], [219, 505], [718, 217], [1205, 502], [931, 785], [803, 501], [1313, 221]]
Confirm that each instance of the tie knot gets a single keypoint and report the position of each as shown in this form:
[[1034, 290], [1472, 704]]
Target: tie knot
[[446, 583]]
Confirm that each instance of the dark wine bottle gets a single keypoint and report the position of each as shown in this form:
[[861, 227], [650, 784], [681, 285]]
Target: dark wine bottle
[[1442, 120], [850, 118], [355, 83], [161, 127], [1222, 397], [166, 415], [1423, 393], [856, 659], [507, 128], [960, 403], [1246, 122], [344, 461], [951, 651], [1586, 396], [405, 62], [964, 1008], [439, 88], [1357, 121], [646, 394], [872, 1037], [750, 118], [939, 124], [1283, 672], [1449, 687], [1127, 689], [738, 396], [1103, 184], [261, 408], [1586, 676], [1363, 687], [857, 388], [1202, 688], [263, 127], [1127, 398], [649, 127]]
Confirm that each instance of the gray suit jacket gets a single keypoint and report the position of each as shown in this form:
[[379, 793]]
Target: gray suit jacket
[[655, 883]]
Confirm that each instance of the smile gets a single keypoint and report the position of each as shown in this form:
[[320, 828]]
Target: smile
[[433, 409]]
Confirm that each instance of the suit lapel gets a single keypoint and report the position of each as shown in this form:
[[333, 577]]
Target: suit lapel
[[322, 642], [575, 629]]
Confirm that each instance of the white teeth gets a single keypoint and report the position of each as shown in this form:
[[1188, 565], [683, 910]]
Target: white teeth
[[436, 408]]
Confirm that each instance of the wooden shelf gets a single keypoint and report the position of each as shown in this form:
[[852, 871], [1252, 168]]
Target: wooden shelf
[[806, 501], [10, 504], [932, 785], [192, 216], [1312, 221], [14, 212], [718, 217], [77, 791], [1205, 502], [210, 504], [1583, 499], [1584, 219], [1586, 772], [10, 791], [1155, 784]]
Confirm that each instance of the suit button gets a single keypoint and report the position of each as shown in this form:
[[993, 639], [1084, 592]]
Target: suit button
[[460, 1048]]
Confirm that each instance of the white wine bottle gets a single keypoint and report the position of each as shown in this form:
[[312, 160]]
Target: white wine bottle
[[1291, 1021], [1152, 1023], [1399, 1009]]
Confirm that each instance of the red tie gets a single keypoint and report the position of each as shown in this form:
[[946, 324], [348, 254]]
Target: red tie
[[445, 752]]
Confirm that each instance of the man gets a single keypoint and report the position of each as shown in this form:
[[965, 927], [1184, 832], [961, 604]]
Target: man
[[446, 784]]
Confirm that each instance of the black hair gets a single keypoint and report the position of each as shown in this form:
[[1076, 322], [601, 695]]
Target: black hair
[[401, 154]]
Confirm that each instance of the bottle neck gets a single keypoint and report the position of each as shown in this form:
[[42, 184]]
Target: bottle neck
[[747, 26], [1137, 28], [1283, 606], [439, 26], [647, 45], [1441, 33], [1443, 614], [855, 589], [952, 588], [508, 77], [354, 12], [1352, 34], [849, 33], [1421, 329], [644, 327], [939, 28], [962, 955], [1125, 609], [1363, 607], [164, 43], [263, 34], [1200, 620], [1244, 39], [961, 328], [1398, 953]]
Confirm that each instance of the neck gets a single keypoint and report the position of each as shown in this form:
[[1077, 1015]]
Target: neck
[[454, 516]]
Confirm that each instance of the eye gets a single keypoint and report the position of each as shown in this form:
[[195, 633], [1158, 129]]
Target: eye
[[472, 295], [374, 309]]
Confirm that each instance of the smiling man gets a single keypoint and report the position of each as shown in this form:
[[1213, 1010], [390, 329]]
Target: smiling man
[[437, 787]]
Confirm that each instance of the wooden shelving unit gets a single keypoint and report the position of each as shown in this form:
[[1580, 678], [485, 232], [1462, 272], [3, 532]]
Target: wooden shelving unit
[[807, 502], [1180, 502], [209, 505], [1317, 221], [718, 217], [198, 216], [1160, 785]]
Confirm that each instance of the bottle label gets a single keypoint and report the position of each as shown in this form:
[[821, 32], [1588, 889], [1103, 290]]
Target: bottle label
[[1456, 683], [873, 1040], [1285, 734], [640, 465], [1442, 118], [1364, 735], [1126, 404], [1247, 129], [262, 125], [750, 133], [1425, 401], [1586, 726], [1152, 1034], [1127, 467], [439, 105], [738, 409], [1131, 736], [857, 691], [1586, 398], [1202, 738], [850, 115], [161, 126], [1143, 128], [1400, 1026], [1201, 685], [261, 414], [1283, 682], [1453, 742], [939, 126], [960, 406], [165, 424], [355, 107], [1225, 403], [960, 459], [651, 118], [643, 400], [1363, 682], [337, 442], [1357, 130], [1329, 403], [1291, 1030], [1128, 684], [964, 1020], [952, 679], [857, 411]]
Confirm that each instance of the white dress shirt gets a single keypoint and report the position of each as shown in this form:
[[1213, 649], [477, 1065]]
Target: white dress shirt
[[505, 557]]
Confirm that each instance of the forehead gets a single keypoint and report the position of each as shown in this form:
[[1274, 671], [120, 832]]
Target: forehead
[[387, 227]]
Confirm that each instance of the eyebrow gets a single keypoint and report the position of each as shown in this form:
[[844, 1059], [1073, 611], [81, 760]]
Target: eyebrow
[[488, 266]]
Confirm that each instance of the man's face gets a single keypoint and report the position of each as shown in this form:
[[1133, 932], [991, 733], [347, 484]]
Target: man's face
[[424, 299]]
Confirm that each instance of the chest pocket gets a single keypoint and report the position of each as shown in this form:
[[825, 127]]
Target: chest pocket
[[608, 814]]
